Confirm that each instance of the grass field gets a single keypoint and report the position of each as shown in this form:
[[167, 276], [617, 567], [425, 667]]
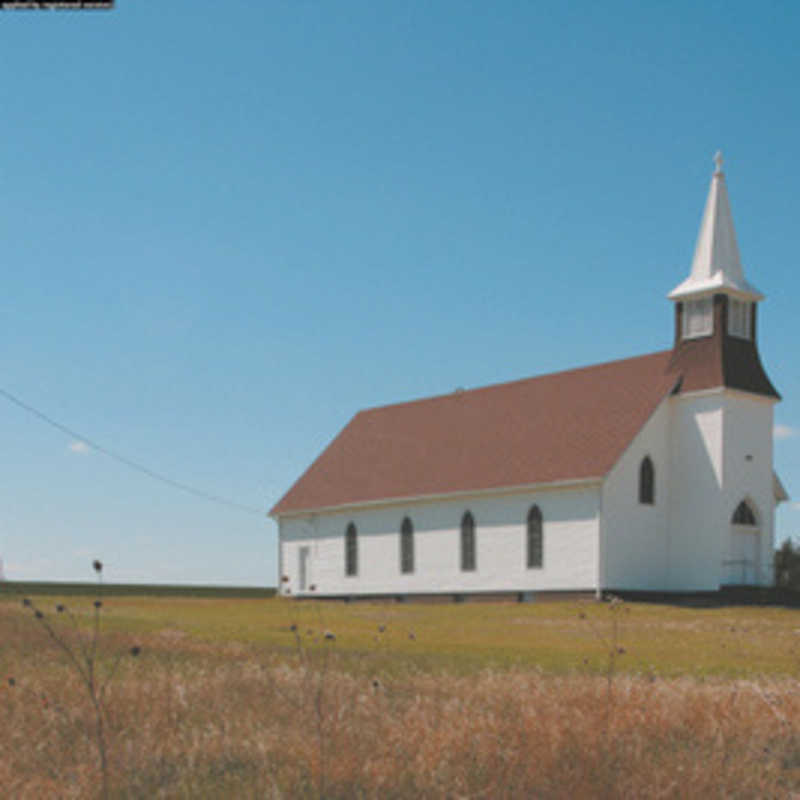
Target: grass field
[[242, 696]]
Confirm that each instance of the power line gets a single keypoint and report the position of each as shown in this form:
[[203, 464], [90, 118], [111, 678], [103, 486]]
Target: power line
[[130, 463]]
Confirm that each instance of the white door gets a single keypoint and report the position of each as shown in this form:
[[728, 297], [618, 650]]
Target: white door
[[743, 561], [304, 555]]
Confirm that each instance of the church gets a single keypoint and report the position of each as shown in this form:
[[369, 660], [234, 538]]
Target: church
[[652, 473]]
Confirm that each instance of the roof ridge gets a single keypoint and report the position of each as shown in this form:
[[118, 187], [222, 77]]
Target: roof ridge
[[490, 386]]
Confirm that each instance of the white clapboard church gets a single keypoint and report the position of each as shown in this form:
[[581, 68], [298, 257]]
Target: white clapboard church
[[653, 473]]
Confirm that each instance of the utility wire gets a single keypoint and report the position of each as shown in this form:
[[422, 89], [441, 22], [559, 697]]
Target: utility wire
[[184, 487]]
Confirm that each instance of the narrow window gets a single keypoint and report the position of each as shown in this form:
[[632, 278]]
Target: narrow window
[[406, 546], [467, 542], [744, 515], [535, 537], [351, 550], [739, 318], [647, 482], [698, 318]]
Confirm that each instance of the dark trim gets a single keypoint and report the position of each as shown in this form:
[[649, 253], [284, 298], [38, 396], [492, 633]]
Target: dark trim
[[723, 597], [505, 596]]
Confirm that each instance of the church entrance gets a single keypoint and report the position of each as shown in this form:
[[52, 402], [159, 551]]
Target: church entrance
[[742, 566]]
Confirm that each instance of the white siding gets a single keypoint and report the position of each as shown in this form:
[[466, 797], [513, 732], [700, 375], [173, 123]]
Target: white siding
[[712, 437], [696, 516], [748, 432], [634, 536], [570, 545]]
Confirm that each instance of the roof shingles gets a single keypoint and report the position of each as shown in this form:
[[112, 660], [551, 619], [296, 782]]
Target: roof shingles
[[564, 426]]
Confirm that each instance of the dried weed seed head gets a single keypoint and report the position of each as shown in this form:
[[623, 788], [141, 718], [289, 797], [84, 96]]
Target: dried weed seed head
[[97, 566]]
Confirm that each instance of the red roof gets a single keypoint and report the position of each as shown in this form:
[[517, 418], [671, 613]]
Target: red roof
[[564, 426]]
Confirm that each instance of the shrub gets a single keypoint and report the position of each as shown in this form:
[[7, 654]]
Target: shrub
[[787, 566]]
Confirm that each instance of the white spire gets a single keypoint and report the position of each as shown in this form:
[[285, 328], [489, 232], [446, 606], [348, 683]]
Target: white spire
[[716, 264]]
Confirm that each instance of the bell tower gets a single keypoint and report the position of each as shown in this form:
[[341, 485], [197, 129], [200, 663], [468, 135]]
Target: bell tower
[[716, 308]]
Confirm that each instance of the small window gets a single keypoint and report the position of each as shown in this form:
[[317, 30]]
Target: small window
[[698, 318], [467, 542], [739, 313], [744, 515], [647, 482], [406, 546], [351, 550], [535, 537]]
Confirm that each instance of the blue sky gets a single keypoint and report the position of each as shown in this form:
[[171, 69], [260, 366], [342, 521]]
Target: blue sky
[[225, 228]]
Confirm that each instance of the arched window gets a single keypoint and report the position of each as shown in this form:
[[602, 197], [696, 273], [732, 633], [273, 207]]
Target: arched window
[[535, 543], [647, 482], [406, 546], [467, 542], [351, 550], [744, 515]]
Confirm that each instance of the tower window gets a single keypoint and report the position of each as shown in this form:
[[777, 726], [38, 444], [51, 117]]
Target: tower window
[[739, 318], [698, 318], [744, 514]]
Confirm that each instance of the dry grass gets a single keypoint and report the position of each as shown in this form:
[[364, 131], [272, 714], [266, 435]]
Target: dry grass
[[196, 717]]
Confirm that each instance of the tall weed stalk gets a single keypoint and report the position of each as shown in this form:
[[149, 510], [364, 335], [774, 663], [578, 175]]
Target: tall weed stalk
[[81, 651]]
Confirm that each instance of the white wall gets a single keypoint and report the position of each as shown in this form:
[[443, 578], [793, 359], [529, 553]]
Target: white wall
[[747, 470], [696, 513], [634, 536], [712, 437], [570, 545]]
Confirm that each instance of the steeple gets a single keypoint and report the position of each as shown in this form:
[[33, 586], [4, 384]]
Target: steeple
[[716, 265], [715, 309]]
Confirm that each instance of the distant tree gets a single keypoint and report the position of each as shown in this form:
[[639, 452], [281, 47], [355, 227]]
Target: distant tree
[[787, 566]]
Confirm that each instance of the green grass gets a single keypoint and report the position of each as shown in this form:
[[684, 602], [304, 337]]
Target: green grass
[[83, 589], [662, 640]]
